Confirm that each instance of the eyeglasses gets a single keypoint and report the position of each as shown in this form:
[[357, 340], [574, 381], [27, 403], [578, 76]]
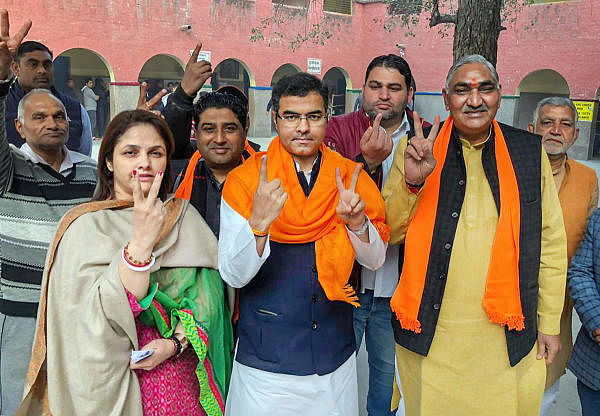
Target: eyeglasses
[[293, 119]]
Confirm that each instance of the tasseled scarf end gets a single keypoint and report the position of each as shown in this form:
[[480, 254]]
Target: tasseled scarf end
[[513, 322], [350, 296], [407, 323]]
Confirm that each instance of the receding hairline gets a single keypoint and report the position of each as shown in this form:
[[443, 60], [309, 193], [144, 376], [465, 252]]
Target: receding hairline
[[33, 93]]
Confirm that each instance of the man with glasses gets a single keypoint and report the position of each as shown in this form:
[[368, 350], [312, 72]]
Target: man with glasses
[[293, 219]]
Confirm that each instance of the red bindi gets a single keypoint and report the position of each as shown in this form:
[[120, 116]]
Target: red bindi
[[474, 83]]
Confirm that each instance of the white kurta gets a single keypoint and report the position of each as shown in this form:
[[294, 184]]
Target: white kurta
[[254, 392]]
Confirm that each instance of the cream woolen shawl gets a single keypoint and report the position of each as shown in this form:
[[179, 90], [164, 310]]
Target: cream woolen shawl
[[86, 330]]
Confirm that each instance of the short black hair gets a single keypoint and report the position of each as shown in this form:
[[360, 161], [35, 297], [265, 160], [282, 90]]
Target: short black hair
[[170, 84], [31, 46], [233, 90], [299, 84], [220, 100], [88, 80], [392, 61]]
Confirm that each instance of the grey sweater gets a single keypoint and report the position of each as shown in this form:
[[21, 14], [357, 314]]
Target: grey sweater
[[33, 199]]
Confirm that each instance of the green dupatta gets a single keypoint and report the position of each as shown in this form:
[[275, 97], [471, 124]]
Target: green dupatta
[[196, 298]]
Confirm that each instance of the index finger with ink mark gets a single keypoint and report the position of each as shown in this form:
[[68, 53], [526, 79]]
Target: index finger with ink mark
[[262, 175]]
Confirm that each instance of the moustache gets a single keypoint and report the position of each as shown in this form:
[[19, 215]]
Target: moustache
[[469, 109]]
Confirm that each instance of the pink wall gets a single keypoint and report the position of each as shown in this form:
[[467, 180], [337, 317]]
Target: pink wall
[[128, 32]]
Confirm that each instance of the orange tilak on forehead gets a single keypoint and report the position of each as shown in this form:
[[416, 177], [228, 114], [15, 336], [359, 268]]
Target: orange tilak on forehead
[[474, 82]]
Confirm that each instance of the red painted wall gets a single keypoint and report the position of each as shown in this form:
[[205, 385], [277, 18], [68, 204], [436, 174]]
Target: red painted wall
[[128, 32]]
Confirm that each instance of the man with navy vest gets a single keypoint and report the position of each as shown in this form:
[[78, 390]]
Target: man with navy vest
[[33, 68], [293, 219], [478, 304]]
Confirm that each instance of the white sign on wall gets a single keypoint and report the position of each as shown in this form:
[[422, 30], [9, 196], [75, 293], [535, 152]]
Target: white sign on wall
[[202, 55], [314, 66]]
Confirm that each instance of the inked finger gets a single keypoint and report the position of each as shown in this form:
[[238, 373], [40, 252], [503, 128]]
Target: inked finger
[[138, 195], [338, 180], [155, 188], [194, 56], [354, 181], [262, 175]]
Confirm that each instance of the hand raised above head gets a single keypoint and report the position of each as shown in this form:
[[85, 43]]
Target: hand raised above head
[[149, 105], [9, 44], [350, 208], [196, 73], [376, 144], [418, 157], [268, 201]]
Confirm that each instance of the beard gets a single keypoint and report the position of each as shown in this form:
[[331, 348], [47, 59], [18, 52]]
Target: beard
[[388, 115]]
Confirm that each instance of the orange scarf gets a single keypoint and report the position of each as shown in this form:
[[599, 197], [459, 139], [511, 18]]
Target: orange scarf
[[305, 220], [184, 190], [501, 301]]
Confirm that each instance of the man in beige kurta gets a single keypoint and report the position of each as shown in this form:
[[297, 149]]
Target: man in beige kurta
[[555, 119], [466, 369]]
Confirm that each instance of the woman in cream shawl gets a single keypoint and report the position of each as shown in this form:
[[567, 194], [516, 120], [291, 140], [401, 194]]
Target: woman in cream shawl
[[99, 303]]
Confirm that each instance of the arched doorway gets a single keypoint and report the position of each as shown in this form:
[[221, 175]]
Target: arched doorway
[[72, 69], [536, 86], [338, 81], [283, 71], [159, 71], [232, 72]]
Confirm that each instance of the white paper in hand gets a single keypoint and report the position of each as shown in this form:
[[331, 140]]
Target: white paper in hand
[[137, 356]]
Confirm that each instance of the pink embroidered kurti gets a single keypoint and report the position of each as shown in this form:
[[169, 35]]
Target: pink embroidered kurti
[[172, 387]]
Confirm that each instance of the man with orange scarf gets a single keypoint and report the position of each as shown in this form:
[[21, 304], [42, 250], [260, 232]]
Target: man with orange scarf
[[478, 305], [293, 220]]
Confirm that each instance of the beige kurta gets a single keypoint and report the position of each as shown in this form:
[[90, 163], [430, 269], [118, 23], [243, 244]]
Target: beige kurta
[[86, 331], [467, 370]]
